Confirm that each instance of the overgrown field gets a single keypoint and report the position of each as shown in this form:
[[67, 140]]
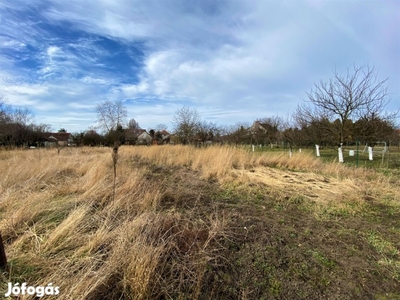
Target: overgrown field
[[190, 223]]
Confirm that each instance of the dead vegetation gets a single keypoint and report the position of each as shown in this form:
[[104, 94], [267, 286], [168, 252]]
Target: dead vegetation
[[188, 223]]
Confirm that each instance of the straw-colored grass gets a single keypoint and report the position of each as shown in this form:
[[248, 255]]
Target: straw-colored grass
[[177, 217]]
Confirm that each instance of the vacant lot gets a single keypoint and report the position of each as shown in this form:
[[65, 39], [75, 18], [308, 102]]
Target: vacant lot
[[189, 223]]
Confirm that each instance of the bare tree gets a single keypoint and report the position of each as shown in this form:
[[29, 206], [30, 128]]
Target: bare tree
[[160, 127], [5, 111], [266, 130], [289, 131], [240, 133], [14, 124], [186, 121], [22, 115], [372, 129], [110, 114], [357, 93], [206, 131], [133, 124]]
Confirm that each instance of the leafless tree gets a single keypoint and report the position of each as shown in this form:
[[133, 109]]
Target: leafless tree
[[22, 115], [160, 127], [206, 131], [267, 130], [133, 124], [372, 129], [14, 124], [111, 114], [240, 133], [5, 111], [186, 121], [356, 94]]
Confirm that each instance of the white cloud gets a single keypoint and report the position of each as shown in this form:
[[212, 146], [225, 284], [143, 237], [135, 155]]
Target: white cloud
[[133, 90], [35, 89], [53, 51], [92, 80], [10, 43]]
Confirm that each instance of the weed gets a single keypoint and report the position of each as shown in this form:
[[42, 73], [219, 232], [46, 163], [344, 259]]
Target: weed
[[381, 245]]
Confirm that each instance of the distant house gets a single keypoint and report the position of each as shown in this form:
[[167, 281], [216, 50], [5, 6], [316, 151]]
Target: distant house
[[264, 133], [131, 135], [137, 136], [165, 136], [144, 138], [263, 127], [49, 139]]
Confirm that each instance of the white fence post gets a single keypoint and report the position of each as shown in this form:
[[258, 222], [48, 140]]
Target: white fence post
[[317, 148], [340, 152], [370, 153]]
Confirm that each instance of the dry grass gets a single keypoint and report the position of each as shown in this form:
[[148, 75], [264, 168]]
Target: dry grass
[[176, 219]]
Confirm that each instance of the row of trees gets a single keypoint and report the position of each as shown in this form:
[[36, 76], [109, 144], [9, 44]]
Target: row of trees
[[279, 132], [17, 127]]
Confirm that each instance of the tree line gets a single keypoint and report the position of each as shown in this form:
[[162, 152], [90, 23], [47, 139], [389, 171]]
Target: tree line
[[17, 127]]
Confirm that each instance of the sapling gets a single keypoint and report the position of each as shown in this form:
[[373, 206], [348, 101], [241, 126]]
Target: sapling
[[59, 147], [115, 161]]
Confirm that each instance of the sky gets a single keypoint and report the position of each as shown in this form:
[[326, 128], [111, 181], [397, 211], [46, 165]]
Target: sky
[[232, 60]]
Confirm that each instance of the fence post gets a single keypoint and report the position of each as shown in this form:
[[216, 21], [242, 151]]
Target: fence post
[[3, 259], [357, 152], [340, 152], [370, 153]]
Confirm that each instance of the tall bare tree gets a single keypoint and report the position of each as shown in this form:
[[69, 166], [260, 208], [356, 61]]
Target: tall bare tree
[[206, 131], [240, 133], [5, 111], [186, 121], [355, 94], [160, 127], [133, 124], [266, 130], [111, 114]]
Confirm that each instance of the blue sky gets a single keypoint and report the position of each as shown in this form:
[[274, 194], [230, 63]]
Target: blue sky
[[232, 60]]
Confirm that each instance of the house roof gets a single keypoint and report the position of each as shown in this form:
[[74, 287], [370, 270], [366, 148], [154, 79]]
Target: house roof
[[164, 132], [263, 126], [133, 133], [56, 136], [144, 133]]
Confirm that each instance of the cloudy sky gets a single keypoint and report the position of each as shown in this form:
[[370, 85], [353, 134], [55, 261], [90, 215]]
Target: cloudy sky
[[232, 60]]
